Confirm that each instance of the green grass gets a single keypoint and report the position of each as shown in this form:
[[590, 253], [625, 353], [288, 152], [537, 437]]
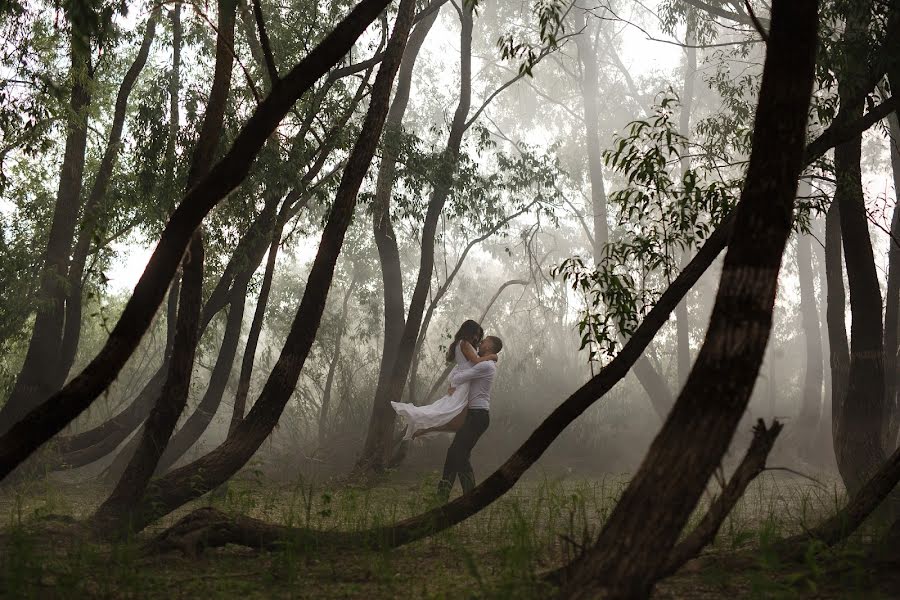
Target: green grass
[[499, 553]]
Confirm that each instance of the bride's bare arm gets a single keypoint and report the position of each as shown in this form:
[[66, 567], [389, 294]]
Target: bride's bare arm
[[472, 356]]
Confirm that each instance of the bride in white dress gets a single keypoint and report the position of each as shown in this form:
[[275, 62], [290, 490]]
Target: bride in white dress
[[447, 413]]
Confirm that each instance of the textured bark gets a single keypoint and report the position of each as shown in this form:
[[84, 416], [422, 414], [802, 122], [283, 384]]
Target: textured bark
[[379, 438], [382, 226], [637, 538], [32, 384], [93, 207], [61, 408], [807, 423], [858, 450], [207, 473]]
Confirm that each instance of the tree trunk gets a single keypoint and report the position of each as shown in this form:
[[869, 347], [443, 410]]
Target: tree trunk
[[682, 324], [194, 427], [93, 208], [62, 407], [647, 521], [838, 345], [858, 450], [892, 298], [382, 226], [33, 385], [207, 473], [807, 423], [332, 366], [379, 438]]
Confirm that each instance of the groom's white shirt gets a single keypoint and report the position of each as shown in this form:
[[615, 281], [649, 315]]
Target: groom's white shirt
[[480, 378]]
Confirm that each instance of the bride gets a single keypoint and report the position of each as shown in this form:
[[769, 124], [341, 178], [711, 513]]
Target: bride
[[447, 413]]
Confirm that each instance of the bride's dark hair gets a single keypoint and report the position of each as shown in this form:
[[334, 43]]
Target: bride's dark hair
[[469, 331]]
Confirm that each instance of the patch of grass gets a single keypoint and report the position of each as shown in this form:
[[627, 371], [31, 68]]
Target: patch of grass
[[500, 553]]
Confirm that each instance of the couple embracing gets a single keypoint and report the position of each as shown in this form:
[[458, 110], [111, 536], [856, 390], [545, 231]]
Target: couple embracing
[[465, 409]]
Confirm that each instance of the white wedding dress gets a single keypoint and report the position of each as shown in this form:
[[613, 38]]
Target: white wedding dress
[[441, 411]]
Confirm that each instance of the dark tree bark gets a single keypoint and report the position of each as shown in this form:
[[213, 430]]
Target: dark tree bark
[[636, 540], [838, 345], [382, 226], [207, 473], [379, 438], [194, 427], [93, 208], [807, 423], [858, 450], [32, 383], [892, 298], [61, 408]]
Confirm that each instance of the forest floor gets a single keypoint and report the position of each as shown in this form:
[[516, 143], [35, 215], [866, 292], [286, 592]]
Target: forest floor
[[500, 553]]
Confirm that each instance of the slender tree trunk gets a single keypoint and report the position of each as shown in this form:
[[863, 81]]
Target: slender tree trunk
[[636, 540], [838, 344], [682, 324], [33, 384], [335, 358], [115, 512], [859, 451], [194, 427], [382, 226], [93, 207], [807, 423], [892, 298], [379, 438]]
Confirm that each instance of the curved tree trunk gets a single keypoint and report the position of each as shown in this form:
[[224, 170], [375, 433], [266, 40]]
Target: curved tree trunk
[[382, 226], [838, 345], [32, 384], [61, 408], [379, 439], [637, 538]]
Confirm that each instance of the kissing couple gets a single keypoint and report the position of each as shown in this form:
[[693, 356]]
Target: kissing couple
[[465, 410]]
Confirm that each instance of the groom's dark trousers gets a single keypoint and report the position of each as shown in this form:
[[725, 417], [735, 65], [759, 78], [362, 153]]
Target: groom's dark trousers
[[458, 455]]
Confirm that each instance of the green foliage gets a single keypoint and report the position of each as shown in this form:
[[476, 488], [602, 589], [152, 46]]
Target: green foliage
[[663, 211]]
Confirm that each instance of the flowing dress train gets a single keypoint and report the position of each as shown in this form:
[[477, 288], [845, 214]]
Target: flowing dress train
[[441, 411]]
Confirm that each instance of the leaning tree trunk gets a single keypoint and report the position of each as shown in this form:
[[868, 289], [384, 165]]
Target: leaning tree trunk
[[61, 408], [636, 540], [115, 511], [379, 438], [838, 345], [42, 358]]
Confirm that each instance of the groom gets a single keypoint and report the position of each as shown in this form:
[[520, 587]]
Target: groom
[[480, 378]]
